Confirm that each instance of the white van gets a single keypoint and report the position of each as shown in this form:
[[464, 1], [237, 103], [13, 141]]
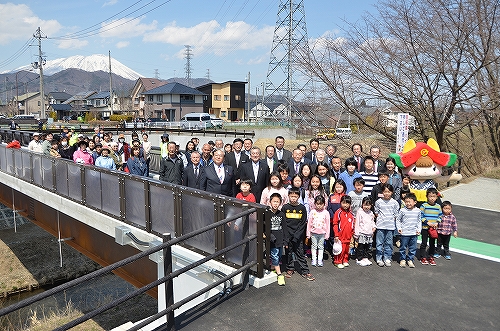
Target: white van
[[196, 121], [343, 133]]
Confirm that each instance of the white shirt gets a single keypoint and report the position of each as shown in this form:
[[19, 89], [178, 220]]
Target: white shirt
[[219, 170]]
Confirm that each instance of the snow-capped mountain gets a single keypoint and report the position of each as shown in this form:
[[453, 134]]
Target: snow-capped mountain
[[90, 63]]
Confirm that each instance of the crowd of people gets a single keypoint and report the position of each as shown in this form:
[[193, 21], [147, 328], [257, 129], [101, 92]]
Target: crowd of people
[[360, 207]]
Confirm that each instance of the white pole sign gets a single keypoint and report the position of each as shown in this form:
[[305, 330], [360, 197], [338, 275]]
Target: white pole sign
[[402, 132]]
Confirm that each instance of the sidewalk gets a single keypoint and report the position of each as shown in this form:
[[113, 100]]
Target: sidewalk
[[483, 193]]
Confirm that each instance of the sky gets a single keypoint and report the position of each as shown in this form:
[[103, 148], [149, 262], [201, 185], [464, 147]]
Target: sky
[[228, 38]]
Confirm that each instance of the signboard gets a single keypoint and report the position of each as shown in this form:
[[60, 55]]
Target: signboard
[[402, 132]]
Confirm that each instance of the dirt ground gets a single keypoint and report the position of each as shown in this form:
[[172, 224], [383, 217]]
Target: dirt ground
[[30, 258]]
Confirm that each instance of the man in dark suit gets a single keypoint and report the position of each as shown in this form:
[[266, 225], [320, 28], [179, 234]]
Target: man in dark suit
[[357, 149], [236, 158], [295, 163], [271, 160], [378, 165], [336, 167], [311, 155], [219, 178], [257, 171], [281, 152], [194, 173]]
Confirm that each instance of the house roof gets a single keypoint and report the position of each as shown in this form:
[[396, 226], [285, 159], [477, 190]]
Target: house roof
[[100, 95], [60, 107], [60, 95], [226, 82], [26, 96], [151, 83], [173, 88], [80, 96]]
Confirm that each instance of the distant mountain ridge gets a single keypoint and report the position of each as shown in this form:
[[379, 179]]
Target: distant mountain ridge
[[91, 63]]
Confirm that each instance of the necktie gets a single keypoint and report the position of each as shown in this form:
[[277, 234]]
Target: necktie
[[359, 164], [196, 172], [280, 155], [219, 171], [296, 168], [314, 157]]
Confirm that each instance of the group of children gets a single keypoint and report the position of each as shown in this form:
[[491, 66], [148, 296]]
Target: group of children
[[352, 218]]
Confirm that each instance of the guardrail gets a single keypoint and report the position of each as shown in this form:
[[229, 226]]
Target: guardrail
[[156, 207]]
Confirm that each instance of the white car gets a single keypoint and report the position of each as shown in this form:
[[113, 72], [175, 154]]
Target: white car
[[216, 122]]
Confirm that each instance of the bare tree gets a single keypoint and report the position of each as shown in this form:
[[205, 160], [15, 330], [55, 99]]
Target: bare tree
[[418, 56]]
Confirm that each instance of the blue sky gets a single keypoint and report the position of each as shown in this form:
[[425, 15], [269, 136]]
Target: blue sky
[[228, 37]]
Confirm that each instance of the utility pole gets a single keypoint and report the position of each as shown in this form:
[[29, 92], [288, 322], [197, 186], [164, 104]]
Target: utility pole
[[248, 98], [110, 84], [39, 65]]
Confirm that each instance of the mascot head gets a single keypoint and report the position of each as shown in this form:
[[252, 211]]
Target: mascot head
[[423, 160]]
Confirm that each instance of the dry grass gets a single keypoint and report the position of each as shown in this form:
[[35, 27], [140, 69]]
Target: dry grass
[[493, 173]]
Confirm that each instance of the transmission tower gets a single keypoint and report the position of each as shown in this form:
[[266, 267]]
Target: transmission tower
[[283, 82], [157, 74], [188, 56]]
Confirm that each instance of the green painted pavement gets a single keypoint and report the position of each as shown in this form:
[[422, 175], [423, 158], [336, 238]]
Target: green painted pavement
[[475, 247]]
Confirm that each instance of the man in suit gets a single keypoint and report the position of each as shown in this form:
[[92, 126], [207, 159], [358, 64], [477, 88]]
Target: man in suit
[[378, 165], [295, 163], [331, 150], [194, 173], [236, 158], [357, 149], [270, 159], [219, 178], [257, 171], [247, 146], [336, 167], [281, 152], [311, 155]]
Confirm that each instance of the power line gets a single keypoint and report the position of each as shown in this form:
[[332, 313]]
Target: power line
[[17, 54]]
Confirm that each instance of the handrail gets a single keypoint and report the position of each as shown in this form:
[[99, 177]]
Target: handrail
[[136, 257]]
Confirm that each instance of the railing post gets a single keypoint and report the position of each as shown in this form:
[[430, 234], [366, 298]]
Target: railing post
[[246, 248], [169, 284]]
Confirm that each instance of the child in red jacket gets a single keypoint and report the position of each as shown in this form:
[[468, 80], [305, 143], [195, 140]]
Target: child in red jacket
[[343, 228]]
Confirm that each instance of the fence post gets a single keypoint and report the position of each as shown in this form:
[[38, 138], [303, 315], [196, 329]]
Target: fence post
[[169, 284]]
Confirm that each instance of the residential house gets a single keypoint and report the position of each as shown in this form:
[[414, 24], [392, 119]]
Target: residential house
[[58, 97], [79, 102], [171, 101], [225, 100], [143, 85], [99, 102], [29, 103], [61, 109]]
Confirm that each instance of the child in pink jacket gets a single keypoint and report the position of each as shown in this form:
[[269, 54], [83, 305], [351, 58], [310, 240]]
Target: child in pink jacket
[[318, 229]]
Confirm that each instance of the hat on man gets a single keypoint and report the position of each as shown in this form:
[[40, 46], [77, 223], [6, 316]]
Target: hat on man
[[165, 135], [36, 134]]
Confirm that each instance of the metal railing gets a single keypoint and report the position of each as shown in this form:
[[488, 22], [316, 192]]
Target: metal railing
[[167, 279], [151, 205]]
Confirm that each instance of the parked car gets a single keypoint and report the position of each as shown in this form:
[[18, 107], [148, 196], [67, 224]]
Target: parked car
[[196, 121], [216, 122], [343, 133]]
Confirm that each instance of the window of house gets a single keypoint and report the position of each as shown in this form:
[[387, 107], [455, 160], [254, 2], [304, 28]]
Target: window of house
[[159, 98], [237, 97], [226, 97], [187, 97], [97, 103], [150, 98], [217, 97], [39, 103], [223, 114]]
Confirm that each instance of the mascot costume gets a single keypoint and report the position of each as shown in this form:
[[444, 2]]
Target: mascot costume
[[423, 162]]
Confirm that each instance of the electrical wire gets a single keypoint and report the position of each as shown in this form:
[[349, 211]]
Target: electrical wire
[[17, 54]]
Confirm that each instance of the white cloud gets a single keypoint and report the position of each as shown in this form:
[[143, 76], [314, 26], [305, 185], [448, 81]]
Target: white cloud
[[211, 37], [18, 22], [122, 44], [122, 28], [72, 44], [110, 3]]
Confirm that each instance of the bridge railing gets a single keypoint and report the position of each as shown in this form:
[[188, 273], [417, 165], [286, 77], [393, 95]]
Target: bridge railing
[[154, 206]]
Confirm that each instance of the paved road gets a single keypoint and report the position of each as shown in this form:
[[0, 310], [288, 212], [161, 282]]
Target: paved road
[[460, 294]]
